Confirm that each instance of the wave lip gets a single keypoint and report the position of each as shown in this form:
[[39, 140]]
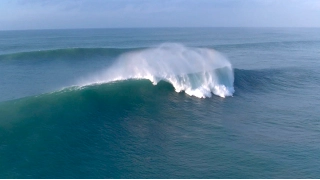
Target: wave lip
[[196, 71]]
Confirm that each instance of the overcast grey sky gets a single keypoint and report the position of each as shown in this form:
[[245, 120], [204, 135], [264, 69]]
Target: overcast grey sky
[[61, 14]]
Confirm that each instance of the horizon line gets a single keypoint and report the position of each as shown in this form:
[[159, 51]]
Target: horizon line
[[164, 27]]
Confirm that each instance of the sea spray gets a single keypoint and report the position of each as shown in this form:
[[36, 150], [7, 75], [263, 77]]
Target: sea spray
[[197, 71]]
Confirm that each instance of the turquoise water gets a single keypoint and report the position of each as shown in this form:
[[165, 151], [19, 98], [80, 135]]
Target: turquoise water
[[103, 103]]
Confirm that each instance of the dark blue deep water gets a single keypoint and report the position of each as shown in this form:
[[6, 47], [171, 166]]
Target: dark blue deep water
[[62, 117]]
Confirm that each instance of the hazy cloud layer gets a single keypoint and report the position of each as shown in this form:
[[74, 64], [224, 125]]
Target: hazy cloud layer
[[49, 14]]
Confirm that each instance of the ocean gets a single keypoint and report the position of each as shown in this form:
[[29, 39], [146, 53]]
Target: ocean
[[160, 103]]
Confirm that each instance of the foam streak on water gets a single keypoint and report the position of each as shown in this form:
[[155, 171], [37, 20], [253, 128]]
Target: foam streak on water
[[197, 71]]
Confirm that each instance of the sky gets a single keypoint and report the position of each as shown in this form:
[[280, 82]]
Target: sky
[[70, 14]]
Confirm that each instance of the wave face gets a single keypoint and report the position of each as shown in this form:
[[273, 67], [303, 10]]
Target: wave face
[[198, 72]]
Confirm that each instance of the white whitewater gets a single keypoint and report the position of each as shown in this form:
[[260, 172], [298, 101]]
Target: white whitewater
[[197, 71]]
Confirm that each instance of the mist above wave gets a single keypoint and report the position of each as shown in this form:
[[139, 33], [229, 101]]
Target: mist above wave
[[197, 71]]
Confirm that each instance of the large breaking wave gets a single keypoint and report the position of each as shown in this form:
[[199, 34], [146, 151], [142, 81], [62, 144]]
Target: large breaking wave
[[196, 71]]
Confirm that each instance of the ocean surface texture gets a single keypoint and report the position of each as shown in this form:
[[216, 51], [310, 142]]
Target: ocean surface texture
[[160, 103]]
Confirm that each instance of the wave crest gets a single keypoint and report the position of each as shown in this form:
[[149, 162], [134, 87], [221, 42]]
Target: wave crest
[[197, 71]]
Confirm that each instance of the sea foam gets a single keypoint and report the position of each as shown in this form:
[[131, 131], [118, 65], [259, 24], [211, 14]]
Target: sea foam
[[198, 72]]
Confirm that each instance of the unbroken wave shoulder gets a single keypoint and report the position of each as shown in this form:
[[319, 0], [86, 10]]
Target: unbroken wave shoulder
[[65, 54]]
